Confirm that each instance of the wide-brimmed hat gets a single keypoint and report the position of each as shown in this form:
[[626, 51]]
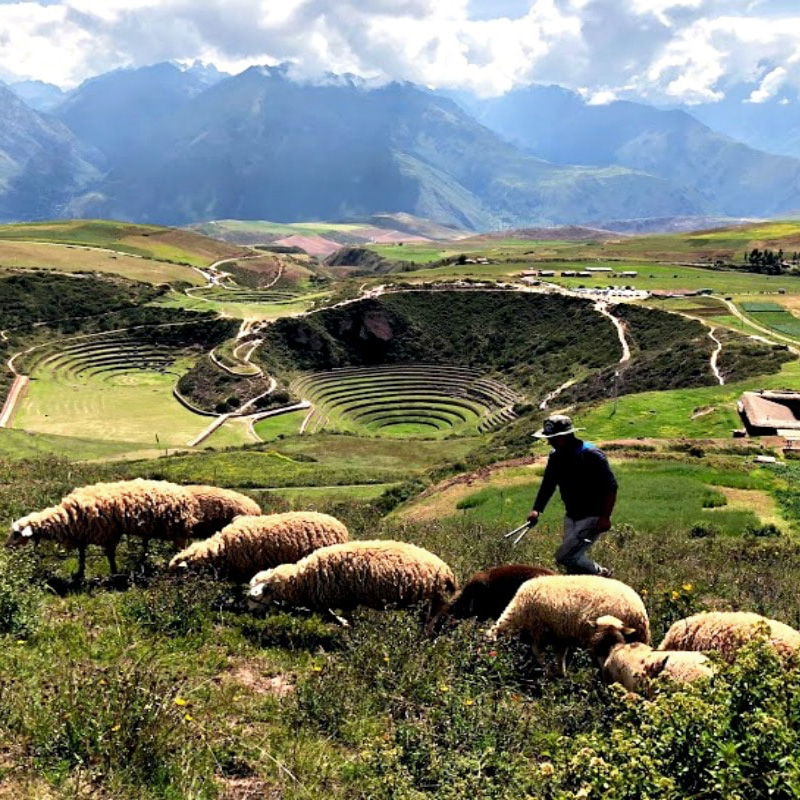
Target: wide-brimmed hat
[[557, 425]]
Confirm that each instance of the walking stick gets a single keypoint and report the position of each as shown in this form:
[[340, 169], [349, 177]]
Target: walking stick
[[518, 533]]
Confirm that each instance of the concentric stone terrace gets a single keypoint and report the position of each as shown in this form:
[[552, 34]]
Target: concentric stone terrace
[[406, 400]]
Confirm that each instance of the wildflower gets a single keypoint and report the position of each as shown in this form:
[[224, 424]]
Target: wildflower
[[675, 595], [20, 641], [386, 659], [316, 668], [179, 701], [188, 717], [515, 698], [116, 727], [687, 587], [469, 702], [546, 768], [492, 653], [444, 688]]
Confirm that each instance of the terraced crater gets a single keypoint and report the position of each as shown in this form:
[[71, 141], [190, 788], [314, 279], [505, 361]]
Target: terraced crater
[[415, 399]]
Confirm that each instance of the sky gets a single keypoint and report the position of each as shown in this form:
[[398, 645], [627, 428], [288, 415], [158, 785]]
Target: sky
[[662, 51]]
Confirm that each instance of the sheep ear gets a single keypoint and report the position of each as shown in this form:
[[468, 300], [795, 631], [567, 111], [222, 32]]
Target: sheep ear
[[654, 670], [609, 621], [628, 631]]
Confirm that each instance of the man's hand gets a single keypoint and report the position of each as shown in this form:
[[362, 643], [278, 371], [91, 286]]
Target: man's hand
[[603, 524], [533, 518]]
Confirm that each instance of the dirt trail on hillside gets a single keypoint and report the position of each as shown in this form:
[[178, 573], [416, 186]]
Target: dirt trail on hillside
[[715, 357]]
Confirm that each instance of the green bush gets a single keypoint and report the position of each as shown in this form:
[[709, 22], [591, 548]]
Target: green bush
[[20, 597]]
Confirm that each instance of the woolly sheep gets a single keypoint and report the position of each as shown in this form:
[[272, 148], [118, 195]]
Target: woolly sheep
[[634, 665], [102, 513], [253, 543], [370, 573], [726, 631], [218, 507], [562, 610], [486, 594]]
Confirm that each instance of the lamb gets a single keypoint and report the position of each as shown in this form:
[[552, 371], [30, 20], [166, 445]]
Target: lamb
[[486, 594], [253, 543], [726, 631], [562, 610], [371, 573], [102, 513], [218, 507], [635, 665]]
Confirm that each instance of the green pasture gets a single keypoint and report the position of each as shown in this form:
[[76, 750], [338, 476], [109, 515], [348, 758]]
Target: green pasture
[[308, 498], [227, 227], [15, 444], [72, 258], [680, 413], [652, 496], [149, 241], [264, 311], [280, 425]]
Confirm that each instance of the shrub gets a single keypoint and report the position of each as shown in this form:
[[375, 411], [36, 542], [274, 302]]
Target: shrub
[[20, 597]]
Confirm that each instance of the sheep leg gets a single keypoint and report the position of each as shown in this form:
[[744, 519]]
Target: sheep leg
[[111, 555], [81, 563], [143, 554], [563, 652]]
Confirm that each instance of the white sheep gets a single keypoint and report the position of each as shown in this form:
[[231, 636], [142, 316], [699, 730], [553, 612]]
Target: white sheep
[[726, 631], [370, 573], [102, 513], [561, 610], [634, 665], [218, 507], [253, 543]]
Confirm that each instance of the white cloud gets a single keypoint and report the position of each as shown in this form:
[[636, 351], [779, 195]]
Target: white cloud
[[674, 50]]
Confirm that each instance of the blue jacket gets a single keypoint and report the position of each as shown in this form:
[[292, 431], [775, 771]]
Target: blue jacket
[[584, 477]]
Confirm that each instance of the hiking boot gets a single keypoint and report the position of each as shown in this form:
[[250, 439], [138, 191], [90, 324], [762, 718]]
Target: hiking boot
[[605, 572]]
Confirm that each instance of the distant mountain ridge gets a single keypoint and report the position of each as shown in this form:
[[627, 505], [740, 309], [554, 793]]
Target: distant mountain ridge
[[178, 146]]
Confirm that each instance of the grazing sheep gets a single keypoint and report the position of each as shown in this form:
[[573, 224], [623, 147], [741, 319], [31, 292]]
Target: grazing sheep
[[371, 573], [101, 513], [726, 631], [218, 507], [562, 610], [254, 543], [486, 594], [634, 665]]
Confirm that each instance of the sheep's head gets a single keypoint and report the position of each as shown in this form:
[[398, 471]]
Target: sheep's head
[[22, 532], [609, 631]]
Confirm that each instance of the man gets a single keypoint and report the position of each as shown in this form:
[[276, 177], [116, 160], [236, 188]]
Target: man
[[588, 489]]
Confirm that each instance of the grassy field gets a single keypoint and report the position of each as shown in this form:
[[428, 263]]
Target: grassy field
[[149, 241], [208, 700], [134, 407], [706, 412], [264, 311], [282, 425], [15, 444], [72, 258], [653, 496]]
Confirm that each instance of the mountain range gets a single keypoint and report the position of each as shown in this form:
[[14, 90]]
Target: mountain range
[[177, 146]]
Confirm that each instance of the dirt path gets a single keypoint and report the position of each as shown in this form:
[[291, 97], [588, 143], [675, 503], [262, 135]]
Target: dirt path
[[715, 356], [12, 400], [555, 393], [602, 307]]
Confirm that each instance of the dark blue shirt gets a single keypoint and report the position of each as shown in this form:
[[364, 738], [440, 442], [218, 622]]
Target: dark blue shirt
[[584, 478]]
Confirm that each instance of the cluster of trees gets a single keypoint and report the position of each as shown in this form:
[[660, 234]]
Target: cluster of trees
[[770, 262]]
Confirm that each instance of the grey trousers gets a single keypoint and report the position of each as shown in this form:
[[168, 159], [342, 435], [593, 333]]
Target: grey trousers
[[579, 535]]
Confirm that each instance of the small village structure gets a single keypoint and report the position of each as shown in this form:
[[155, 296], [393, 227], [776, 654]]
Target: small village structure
[[771, 413]]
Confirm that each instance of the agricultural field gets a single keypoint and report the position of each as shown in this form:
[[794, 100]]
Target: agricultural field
[[148, 241], [73, 258]]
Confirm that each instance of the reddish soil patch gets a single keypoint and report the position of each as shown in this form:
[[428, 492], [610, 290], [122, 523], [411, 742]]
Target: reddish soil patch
[[249, 674], [313, 245]]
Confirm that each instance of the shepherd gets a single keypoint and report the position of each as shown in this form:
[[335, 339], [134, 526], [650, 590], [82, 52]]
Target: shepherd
[[588, 489]]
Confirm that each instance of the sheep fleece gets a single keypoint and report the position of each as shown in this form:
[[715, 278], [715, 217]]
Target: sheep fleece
[[370, 573], [566, 607], [103, 512], [217, 507], [633, 664], [253, 543], [726, 631]]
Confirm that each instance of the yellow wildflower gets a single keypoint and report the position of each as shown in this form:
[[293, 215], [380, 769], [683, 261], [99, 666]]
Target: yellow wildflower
[[188, 717], [687, 587], [469, 702], [675, 595], [179, 701]]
